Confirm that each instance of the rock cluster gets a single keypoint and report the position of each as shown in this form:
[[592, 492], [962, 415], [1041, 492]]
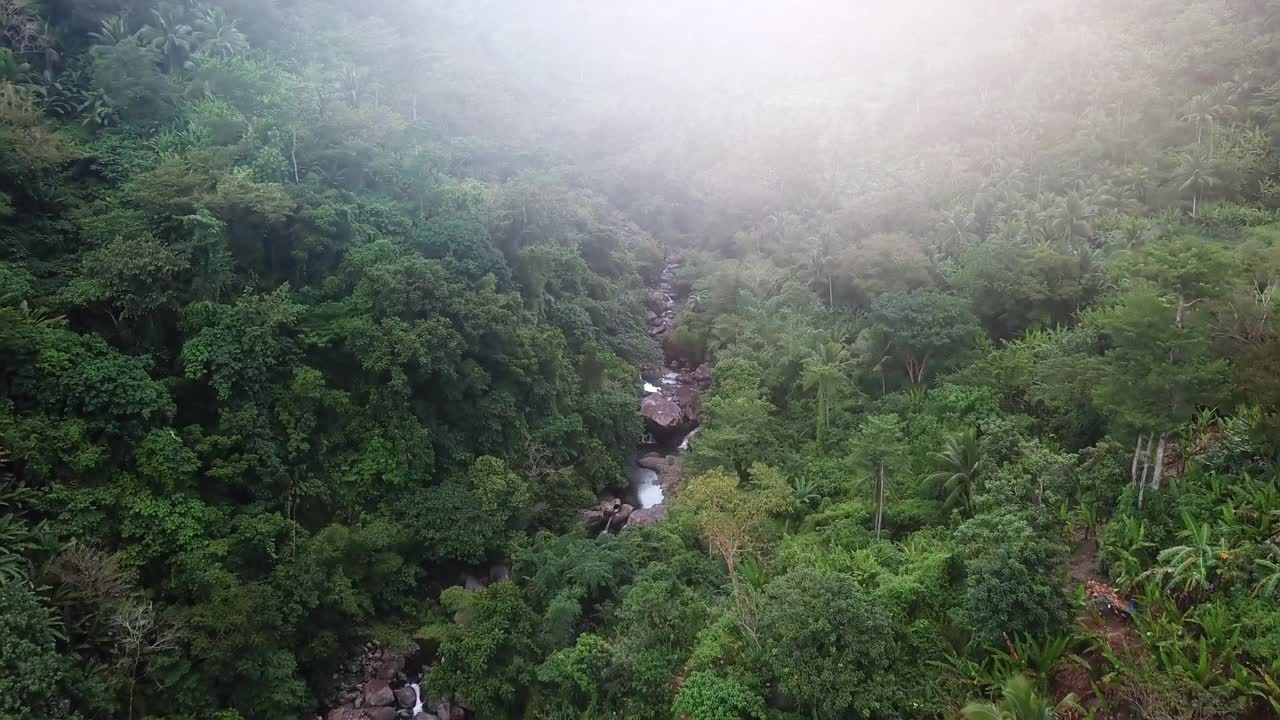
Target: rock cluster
[[610, 515], [375, 686]]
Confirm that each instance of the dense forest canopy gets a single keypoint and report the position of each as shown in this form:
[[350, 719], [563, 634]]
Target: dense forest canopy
[[322, 323]]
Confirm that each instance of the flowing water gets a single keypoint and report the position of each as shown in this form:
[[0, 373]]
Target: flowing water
[[674, 380]]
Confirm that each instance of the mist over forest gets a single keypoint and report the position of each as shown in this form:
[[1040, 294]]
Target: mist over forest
[[572, 360]]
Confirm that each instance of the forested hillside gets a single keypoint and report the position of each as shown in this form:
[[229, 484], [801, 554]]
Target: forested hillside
[[322, 324]]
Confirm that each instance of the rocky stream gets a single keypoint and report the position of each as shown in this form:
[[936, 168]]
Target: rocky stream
[[380, 684], [670, 405]]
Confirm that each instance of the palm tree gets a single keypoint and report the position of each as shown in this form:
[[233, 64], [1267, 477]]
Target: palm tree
[[818, 262], [826, 370], [1198, 172], [1197, 111], [113, 31], [958, 470], [957, 226], [1218, 102], [872, 350], [217, 35], [1070, 217], [1020, 702], [171, 36]]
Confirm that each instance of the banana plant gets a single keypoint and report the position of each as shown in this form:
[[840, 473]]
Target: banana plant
[[1020, 702], [1269, 571], [1125, 550]]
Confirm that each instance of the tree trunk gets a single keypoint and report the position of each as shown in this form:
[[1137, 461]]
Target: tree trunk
[[880, 501], [293, 153], [1140, 481], [1133, 470], [1159, 469]]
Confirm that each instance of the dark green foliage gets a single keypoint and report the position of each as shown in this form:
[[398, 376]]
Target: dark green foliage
[[310, 310], [36, 680], [828, 643]]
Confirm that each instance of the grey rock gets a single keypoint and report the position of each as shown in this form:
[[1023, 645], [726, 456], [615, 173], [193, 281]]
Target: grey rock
[[656, 301], [498, 573], [702, 375], [425, 716], [406, 697], [385, 712], [473, 584], [662, 417], [378, 693], [690, 402], [390, 667], [653, 461], [594, 519]]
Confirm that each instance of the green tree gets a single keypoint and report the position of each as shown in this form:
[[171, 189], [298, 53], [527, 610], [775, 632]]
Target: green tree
[[924, 329], [959, 464], [488, 657], [708, 696], [826, 370], [879, 448], [1153, 376], [37, 678], [829, 644]]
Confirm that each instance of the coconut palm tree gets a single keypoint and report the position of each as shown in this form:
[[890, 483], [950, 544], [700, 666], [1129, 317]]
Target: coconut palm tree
[[1219, 105], [1199, 178], [818, 268], [113, 31], [1070, 217], [1020, 702], [872, 350], [169, 34], [826, 370], [957, 227], [217, 35], [957, 472], [1197, 111]]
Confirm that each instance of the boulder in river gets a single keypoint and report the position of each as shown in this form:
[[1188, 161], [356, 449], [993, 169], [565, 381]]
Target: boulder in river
[[594, 519], [654, 461], [690, 402], [385, 712], [377, 693], [406, 697], [656, 301], [702, 375], [662, 417], [623, 515], [390, 667]]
